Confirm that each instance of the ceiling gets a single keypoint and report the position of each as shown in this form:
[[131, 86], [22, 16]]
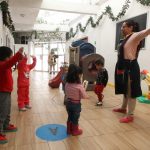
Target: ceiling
[[49, 14]]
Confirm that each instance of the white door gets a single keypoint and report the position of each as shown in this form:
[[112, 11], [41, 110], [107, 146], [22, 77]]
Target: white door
[[41, 51]]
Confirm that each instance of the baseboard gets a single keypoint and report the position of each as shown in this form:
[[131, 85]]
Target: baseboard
[[110, 85]]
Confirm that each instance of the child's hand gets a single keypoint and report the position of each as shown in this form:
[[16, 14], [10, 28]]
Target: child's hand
[[85, 84], [25, 55], [21, 50], [33, 57]]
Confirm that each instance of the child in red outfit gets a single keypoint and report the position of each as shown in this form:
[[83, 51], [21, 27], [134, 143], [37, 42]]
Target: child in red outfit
[[101, 81], [24, 83], [6, 87]]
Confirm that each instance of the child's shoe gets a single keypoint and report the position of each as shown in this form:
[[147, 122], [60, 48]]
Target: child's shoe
[[22, 109], [99, 103], [10, 128], [3, 139], [120, 110], [127, 119], [75, 130], [28, 106]]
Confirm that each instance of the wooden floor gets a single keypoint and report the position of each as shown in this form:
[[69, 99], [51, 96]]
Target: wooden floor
[[101, 128]]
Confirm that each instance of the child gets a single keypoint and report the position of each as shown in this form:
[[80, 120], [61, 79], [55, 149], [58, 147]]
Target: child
[[23, 83], [74, 92], [52, 61], [63, 78], [6, 87], [101, 81]]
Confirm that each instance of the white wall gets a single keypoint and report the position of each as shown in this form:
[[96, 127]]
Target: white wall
[[104, 36], [6, 38], [25, 46]]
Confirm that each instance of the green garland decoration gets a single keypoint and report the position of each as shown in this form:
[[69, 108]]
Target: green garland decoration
[[108, 11], [144, 2], [7, 21]]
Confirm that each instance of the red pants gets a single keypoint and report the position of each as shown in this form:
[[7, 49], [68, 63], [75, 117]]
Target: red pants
[[98, 91], [23, 96]]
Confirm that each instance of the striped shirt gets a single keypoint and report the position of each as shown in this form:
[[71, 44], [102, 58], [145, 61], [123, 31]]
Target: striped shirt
[[75, 91], [130, 47]]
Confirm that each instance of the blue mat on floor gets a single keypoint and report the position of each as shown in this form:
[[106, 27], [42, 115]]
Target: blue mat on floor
[[52, 132], [143, 99]]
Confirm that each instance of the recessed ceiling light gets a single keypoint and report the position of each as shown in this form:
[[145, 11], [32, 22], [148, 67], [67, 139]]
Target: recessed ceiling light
[[22, 15]]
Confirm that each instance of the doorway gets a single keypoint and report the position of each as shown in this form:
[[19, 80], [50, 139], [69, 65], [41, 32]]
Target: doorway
[[42, 50]]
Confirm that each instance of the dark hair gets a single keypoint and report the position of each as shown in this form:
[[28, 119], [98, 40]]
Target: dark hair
[[73, 74], [91, 66], [99, 62], [135, 25], [5, 52]]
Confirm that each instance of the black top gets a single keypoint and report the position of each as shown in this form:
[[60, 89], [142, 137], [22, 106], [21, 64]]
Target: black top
[[125, 69], [102, 77]]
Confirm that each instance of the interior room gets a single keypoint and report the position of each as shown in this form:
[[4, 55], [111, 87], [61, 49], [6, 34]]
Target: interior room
[[74, 75]]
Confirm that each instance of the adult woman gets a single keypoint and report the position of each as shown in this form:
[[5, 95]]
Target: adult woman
[[127, 72]]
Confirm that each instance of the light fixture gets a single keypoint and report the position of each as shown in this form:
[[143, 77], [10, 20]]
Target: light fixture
[[22, 15]]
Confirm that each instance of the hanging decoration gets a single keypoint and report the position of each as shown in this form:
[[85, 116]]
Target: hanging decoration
[[108, 11], [144, 2], [45, 36], [41, 21], [7, 21]]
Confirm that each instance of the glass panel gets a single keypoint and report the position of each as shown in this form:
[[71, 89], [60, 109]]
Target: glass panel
[[45, 63], [60, 61], [38, 51], [45, 49], [39, 63], [53, 46], [42, 51], [61, 49], [55, 18]]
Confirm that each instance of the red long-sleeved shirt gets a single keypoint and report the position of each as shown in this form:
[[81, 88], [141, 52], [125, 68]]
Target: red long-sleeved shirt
[[23, 72], [6, 80]]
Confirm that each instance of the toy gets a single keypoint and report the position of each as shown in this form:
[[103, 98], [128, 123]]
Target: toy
[[145, 75], [85, 84]]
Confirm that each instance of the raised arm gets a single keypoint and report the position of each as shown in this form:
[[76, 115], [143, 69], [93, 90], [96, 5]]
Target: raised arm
[[31, 66], [12, 61], [142, 34]]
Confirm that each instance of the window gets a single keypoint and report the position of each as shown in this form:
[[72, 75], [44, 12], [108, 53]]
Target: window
[[24, 39]]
